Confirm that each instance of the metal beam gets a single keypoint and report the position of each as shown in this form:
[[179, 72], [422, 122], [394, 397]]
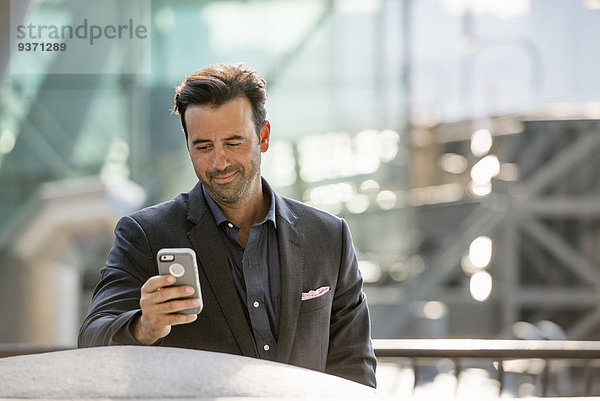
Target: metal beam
[[537, 261], [571, 257], [511, 267], [46, 152], [585, 324], [480, 221], [565, 206], [539, 297], [16, 10], [286, 58], [543, 143], [578, 151], [557, 296]]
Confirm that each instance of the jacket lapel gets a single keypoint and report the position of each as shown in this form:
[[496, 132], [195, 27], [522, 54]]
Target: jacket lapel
[[291, 259], [212, 258]]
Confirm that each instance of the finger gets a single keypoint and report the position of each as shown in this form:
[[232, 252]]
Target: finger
[[180, 318], [179, 305], [169, 293], [156, 282], [157, 302], [159, 321]]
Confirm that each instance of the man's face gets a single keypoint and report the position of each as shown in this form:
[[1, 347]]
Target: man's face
[[225, 149]]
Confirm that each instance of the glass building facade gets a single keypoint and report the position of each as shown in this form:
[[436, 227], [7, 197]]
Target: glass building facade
[[98, 118]]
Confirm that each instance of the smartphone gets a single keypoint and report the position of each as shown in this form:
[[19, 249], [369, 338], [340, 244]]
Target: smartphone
[[181, 263]]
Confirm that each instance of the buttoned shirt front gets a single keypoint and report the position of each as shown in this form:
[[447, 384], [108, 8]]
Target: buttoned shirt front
[[256, 272]]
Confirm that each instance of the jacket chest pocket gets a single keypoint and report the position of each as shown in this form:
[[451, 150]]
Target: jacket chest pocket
[[311, 341], [316, 303]]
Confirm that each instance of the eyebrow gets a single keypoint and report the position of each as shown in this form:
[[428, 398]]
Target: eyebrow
[[234, 138], [229, 138]]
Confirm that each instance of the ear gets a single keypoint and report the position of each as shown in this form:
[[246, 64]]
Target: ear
[[265, 136]]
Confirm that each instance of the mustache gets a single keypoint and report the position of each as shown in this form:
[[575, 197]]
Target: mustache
[[226, 171]]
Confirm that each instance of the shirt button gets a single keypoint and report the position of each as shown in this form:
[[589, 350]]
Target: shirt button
[[266, 347], [256, 304], [230, 225]]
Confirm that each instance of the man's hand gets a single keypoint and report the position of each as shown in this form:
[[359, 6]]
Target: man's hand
[[159, 308]]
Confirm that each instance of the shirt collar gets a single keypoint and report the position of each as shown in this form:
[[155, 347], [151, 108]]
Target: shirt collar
[[220, 217]]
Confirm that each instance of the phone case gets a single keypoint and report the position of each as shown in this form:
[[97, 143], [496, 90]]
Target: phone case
[[181, 263]]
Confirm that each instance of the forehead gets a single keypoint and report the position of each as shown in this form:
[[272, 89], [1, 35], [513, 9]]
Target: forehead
[[233, 116]]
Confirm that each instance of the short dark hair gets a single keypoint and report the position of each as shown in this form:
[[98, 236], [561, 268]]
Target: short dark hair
[[218, 84]]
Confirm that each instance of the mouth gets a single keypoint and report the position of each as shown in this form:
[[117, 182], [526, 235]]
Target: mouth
[[224, 179]]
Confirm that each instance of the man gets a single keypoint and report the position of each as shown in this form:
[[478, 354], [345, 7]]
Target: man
[[279, 279]]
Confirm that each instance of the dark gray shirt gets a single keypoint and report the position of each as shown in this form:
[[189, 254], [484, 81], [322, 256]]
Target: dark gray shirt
[[256, 272]]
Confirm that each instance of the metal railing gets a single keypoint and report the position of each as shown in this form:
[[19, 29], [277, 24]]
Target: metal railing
[[499, 352]]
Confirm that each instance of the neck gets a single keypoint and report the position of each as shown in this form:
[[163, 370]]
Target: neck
[[249, 211]]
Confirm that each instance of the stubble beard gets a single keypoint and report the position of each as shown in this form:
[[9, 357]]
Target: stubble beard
[[236, 190]]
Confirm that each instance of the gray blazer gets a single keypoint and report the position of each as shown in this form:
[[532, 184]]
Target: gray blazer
[[330, 333]]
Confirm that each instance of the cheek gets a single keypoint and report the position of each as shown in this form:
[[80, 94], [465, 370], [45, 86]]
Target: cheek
[[198, 163]]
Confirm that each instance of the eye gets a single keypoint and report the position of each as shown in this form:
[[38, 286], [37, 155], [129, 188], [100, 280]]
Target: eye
[[234, 144], [202, 148]]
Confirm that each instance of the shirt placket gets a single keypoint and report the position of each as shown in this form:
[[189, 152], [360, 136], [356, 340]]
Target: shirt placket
[[253, 269]]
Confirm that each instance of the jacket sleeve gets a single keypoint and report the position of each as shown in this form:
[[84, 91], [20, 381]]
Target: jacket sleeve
[[350, 350], [116, 299]]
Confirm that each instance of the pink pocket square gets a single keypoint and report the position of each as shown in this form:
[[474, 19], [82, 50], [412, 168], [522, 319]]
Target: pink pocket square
[[315, 293]]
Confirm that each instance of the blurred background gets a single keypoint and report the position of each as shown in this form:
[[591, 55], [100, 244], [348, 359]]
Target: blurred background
[[458, 138]]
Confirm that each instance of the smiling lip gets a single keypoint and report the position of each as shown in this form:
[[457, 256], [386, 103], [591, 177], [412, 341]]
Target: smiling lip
[[224, 179]]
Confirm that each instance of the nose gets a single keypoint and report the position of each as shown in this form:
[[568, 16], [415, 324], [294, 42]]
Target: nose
[[220, 160]]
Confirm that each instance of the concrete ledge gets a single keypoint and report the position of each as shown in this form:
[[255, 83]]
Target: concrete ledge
[[129, 372]]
